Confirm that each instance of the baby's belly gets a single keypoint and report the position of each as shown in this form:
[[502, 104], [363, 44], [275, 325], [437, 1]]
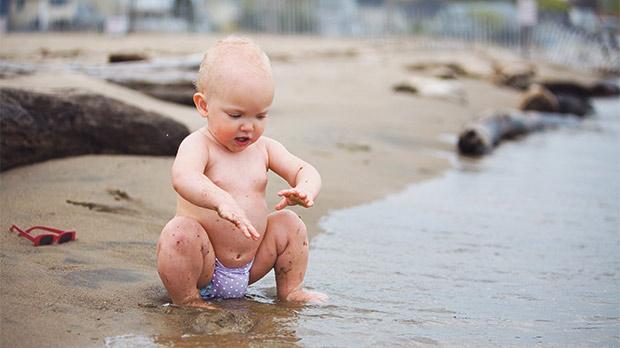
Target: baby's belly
[[231, 246]]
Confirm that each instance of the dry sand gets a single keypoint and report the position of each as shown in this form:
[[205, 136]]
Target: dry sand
[[334, 107]]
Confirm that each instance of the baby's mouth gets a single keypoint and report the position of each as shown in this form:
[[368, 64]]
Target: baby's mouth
[[242, 140]]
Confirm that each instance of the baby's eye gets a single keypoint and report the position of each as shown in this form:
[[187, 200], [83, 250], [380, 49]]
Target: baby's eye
[[234, 115], [260, 117]]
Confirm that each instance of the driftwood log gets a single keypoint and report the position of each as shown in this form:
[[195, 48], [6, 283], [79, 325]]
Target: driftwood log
[[539, 98], [544, 105], [166, 79], [37, 127], [517, 75], [485, 134], [432, 87], [120, 57], [180, 92], [566, 97], [594, 90]]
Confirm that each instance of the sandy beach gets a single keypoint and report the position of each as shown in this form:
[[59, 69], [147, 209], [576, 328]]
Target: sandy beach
[[334, 107]]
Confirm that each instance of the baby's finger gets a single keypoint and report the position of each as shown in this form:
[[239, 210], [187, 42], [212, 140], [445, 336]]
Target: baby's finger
[[295, 201], [253, 232], [282, 204], [233, 219], [243, 228], [300, 199], [287, 192], [246, 233], [249, 231]]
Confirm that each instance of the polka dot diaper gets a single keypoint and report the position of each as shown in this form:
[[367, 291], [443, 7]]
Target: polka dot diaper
[[227, 282]]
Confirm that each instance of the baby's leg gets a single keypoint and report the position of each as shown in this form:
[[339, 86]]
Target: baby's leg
[[185, 260], [285, 248]]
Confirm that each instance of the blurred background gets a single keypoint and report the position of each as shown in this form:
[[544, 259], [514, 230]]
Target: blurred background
[[581, 34], [516, 249]]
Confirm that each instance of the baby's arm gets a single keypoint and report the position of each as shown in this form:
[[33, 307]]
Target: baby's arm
[[303, 178], [190, 182]]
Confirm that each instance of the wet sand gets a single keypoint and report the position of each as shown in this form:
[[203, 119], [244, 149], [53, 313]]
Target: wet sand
[[334, 107]]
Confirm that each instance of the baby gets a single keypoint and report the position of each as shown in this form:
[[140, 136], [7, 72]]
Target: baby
[[223, 236]]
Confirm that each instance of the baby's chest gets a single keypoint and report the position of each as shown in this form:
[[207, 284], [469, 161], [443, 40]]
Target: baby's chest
[[236, 176]]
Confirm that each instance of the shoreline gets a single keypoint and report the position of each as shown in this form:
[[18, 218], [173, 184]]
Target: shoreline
[[485, 250]]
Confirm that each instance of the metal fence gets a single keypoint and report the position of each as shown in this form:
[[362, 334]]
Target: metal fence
[[551, 39], [445, 23], [464, 24]]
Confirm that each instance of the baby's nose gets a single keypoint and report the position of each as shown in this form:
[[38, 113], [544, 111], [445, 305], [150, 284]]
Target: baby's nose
[[247, 126]]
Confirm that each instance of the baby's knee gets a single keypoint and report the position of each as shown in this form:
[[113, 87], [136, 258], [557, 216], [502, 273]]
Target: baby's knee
[[294, 224], [181, 233]]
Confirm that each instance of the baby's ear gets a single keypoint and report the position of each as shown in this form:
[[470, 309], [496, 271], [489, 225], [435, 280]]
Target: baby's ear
[[201, 104]]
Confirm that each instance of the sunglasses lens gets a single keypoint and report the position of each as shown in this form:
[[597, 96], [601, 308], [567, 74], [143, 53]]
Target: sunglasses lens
[[64, 238], [46, 240]]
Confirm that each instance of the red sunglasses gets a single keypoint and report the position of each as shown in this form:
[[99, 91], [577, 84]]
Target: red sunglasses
[[58, 236]]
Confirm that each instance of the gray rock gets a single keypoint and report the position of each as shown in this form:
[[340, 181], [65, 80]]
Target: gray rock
[[36, 127]]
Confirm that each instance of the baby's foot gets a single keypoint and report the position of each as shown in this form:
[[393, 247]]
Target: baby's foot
[[307, 296]]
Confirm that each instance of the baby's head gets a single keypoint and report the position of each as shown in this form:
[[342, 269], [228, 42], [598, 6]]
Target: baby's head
[[234, 90], [230, 60]]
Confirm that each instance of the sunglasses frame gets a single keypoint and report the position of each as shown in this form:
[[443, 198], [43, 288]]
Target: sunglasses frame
[[57, 236]]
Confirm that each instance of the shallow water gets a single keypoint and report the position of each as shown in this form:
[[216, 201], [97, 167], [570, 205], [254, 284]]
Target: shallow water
[[517, 249], [520, 248]]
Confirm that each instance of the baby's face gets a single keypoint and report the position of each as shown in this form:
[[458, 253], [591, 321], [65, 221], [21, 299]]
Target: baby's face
[[237, 111]]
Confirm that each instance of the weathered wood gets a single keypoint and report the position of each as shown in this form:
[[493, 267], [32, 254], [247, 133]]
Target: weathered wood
[[539, 98], [37, 127], [11, 69], [567, 97], [432, 87], [126, 57], [600, 88], [176, 92], [171, 79], [484, 135], [517, 75]]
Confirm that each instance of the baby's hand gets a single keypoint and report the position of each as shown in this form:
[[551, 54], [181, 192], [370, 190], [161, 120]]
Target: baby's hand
[[294, 196], [237, 216]]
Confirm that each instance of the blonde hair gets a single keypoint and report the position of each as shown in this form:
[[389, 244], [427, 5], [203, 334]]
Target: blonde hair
[[221, 53]]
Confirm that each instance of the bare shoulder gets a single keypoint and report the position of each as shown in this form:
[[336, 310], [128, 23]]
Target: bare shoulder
[[196, 142], [265, 145], [277, 155], [270, 144], [193, 152], [196, 138]]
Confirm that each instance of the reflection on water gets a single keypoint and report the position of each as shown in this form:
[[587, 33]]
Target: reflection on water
[[256, 320], [517, 249]]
